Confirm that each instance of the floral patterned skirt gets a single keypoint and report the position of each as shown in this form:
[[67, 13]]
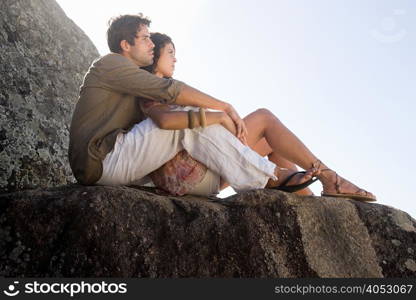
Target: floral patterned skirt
[[179, 175]]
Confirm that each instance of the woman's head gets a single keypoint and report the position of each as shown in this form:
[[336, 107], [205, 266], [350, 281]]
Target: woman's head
[[164, 55]]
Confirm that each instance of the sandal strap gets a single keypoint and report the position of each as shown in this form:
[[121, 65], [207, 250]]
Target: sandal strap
[[337, 183], [288, 178], [358, 191], [317, 164]]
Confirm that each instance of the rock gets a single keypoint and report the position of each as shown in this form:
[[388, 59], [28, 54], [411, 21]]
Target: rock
[[43, 58], [97, 231]]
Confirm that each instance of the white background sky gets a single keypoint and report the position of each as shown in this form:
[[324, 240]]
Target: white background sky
[[340, 74]]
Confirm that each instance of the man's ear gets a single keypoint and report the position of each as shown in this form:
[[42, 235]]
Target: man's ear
[[124, 45]]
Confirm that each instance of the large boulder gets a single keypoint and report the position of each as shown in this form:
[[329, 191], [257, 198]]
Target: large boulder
[[43, 57], [76, 231]]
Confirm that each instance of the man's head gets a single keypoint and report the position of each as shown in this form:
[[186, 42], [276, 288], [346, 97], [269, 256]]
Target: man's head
[[129, 36]]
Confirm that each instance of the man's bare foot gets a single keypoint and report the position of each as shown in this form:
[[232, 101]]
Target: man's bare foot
[[300, 178], [336, 186]]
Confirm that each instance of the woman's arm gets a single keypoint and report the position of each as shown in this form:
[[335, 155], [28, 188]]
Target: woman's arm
[[164, 118]]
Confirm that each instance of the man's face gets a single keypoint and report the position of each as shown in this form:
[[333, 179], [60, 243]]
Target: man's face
[[142, 51]]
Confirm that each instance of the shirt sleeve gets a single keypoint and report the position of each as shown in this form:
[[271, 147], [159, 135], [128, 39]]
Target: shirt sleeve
[[118, 73]]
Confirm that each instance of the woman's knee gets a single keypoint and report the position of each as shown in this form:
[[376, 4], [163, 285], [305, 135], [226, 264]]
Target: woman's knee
[[264, 112]]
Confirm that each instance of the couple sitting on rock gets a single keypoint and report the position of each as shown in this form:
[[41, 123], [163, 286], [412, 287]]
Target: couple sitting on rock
[[134, 124]]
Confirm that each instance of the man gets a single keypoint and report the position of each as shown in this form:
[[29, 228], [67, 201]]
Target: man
[[111, 144]]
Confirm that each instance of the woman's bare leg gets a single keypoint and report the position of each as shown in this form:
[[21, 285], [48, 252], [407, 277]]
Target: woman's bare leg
[[263, 124], [263, 149]]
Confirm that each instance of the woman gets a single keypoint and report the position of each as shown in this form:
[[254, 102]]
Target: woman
[[266, 135]]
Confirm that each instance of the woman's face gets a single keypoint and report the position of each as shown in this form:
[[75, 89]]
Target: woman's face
[[166, 63]]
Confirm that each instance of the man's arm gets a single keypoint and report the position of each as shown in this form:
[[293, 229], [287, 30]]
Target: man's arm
[[193, 97], [119, 74], [189, 96]]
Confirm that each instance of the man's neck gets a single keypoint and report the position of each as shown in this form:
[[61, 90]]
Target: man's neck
[[126, 55]]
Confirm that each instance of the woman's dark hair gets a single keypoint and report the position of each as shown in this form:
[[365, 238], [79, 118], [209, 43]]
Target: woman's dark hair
[[160, 40], [124, 27]]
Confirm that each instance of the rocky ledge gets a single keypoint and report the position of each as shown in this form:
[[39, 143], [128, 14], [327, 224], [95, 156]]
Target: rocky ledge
[[97, 231]]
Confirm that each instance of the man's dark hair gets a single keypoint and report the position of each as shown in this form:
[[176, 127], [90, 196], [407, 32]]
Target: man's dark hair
[[124, 27], [160, 40]]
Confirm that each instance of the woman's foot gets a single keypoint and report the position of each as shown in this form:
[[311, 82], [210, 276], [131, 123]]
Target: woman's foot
[[336, 186], [283, 174]]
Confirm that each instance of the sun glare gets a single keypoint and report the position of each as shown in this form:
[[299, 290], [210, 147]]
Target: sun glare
[[173, 17]]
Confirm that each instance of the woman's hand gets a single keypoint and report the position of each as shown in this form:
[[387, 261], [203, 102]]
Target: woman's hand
[[239, 123], [229, 124]]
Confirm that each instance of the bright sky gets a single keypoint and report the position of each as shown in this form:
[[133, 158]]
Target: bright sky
[[339, 74]]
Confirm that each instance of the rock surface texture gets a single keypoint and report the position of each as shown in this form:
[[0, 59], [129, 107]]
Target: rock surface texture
[[43, 58], [76, 231]]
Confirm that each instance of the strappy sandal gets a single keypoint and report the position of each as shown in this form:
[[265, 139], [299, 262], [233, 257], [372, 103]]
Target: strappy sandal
[[363, 198], [296, 187]]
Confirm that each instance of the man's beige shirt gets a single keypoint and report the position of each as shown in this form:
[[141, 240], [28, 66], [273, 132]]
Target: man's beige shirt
[[109, 104]]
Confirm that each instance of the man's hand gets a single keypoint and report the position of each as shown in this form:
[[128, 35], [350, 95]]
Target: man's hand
[[239, 123]]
